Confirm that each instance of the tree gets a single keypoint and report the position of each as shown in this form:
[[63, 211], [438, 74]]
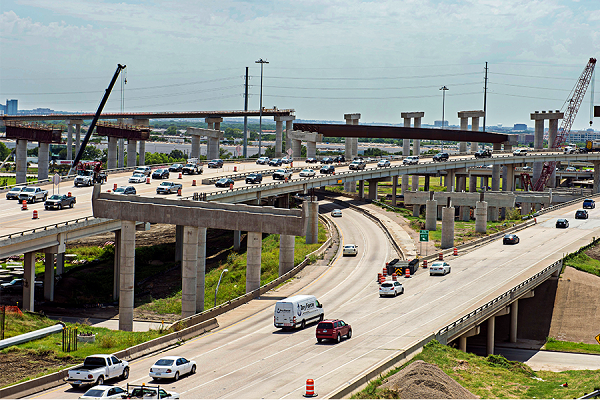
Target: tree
[[91, 153], [224, 154], [32, 152], [171, 131], [178, 155], [4, 151]]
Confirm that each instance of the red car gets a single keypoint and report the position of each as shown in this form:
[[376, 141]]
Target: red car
[[333, 329]]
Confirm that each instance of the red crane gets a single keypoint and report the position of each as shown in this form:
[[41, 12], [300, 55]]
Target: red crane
[[567, 122]]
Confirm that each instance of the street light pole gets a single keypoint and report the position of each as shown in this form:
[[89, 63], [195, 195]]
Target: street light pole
[[218, 283], [261, 62], [443, 89]]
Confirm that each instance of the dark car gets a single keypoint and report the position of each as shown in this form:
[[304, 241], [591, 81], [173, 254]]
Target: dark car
[[216, 163], [311, 160], [581, 214], [511, 238], [254, 178], [16, 285], [176, 168], [441, 157], [60, 201], [275, 162], [161, 173], [327, 169], [562, 223], [339, 159], [125, 190], [327, 160], [334, 329], [224, 182], [487, 153], [589, 203]]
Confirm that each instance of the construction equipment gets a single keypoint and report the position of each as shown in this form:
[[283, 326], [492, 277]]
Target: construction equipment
[[567, 122], [525, 178], [96, 116]]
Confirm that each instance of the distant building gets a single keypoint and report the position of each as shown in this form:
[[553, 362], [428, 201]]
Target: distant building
[[520, 127], [12, 107], [438, 124]]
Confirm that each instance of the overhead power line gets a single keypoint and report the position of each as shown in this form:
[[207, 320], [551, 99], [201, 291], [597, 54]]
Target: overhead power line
[[370, 79]]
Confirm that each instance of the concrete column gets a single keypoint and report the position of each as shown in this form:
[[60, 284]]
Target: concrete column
[[311, 149], [514, 316], [464, 125], [312, 220], [486, 182], [510, 177], [286, 253], [404, 184], [504, 170], [60, 263], [481, 209], [200, 269], [596, 187], [394, 189], [278, 138], [415, 183], [43, 160], [462, 341], [189, 271], [77, 138], [474, 128], [121, 160], [493, 214], [48, 276], [447, 227], [405, 147], [348, 149], [69, 141], [116, 265], [417, 142], [496, 177], [472, 183], [297, 148], [213, 148], [465, 213], [195, 153], [21, 154], [178, 242], [289, 125], [538, 144], [426, 186], [416, 210], [525, 208], [111, 162], [361, 189], [253, 261], [127, 279], [491, 327], [237, 240], [450, 180], [131, 153], [29, 277], [406, 123], [373, 189], [142, 153], [431, 215]]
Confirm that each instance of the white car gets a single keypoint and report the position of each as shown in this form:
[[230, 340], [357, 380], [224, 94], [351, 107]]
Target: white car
[[411, 160], [390, 288], [439, 268], [143, 170], [262, 160], [137, 178], [172, 367], [383, 163], [104, 392], [350, 250], [336, 213], [307, 173]]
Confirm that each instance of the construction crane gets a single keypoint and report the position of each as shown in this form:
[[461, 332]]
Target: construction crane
[[567, 122]]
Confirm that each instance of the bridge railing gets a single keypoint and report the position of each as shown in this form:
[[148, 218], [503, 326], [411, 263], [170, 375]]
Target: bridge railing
[[52, 226]]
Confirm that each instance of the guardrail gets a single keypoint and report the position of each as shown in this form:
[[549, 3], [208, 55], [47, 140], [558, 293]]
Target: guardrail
[[491, 307], [54, 226]]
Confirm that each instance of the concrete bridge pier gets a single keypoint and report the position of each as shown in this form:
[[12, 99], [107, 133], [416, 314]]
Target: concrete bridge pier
[[312, 221], [278, 138], [212, 151], [279, 119], [311, 139], [29, 281], [351, 148], [127, 278], [43, 160], [131, 153], [472, 183], [514, 317], [195, 151], [450, 177], [116, 265], [111, 162], [414, 182], [142, 153], [427, 181], [21, 155], [237, 240], [201, 269], [481, 211], [69, 141], [404, 184], [361, 189], [464, 125], [416, 118], [286, 253], [70, 123], [447, 227], [214, 123], [121, 158], [48, 275], [462, 340], [596, 187], [431, 214], [496, 177], [189, 271], [373, 189], [394, 189], [538, 138], [253, 261], [491, 328]]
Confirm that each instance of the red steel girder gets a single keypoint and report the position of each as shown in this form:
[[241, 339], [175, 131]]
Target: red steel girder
[[123, 131], [33, 133]]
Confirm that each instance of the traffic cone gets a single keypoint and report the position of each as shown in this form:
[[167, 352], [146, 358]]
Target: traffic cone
[[455, 251], [424, 263], [407, 272], [310, 388], [194, 182], [35, 214], [441, 256], [24, 205], [180, 175]]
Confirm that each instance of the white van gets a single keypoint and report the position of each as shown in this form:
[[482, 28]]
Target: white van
[[297, 311], [520, 152]]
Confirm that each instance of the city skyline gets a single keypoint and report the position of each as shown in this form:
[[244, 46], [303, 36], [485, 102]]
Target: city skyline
[[376, 58]]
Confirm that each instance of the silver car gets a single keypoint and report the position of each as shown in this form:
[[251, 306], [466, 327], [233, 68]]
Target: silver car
[[439, 268], [137, 178]]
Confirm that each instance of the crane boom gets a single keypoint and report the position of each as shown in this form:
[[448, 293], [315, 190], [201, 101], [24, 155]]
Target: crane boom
[[567, 122]]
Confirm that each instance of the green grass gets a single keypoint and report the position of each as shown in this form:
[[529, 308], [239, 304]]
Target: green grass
[[10, 181], [571, 347], [494, 377], [583, 262]]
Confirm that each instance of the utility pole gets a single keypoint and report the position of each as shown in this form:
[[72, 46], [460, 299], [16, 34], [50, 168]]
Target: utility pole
[[246, 117], [443, 89], [261, 62], [485, 96]]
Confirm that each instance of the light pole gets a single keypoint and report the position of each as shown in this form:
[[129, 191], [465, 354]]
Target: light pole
[[261, 62], [443, 89], [218, 283]]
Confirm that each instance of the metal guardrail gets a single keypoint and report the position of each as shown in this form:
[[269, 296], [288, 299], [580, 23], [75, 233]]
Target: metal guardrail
[[593, 395], [45, 228], [483, 312]]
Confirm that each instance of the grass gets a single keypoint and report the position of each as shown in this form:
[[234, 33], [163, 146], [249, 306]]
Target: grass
[[583, 262], [10, 181], [571, 347], [233, 283], [494, 377]]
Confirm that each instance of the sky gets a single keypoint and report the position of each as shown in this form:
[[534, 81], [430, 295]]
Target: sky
[[325, 58]]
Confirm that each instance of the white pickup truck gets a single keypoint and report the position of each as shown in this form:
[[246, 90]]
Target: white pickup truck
[[98, 368]]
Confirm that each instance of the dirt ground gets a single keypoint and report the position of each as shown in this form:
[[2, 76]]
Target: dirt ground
[[21, 364]]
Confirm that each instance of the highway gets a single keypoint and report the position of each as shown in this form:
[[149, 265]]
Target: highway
[[248, 358]]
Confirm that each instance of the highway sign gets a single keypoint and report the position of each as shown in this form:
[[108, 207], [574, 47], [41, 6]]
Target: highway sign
[[598, 338], [56, 179], [289, 151], [424, 236]]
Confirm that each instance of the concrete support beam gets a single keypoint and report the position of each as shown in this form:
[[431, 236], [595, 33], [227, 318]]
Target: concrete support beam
[[447, 227], [131, 153], [178, 242], [142, 153], [189, 271], [69, 141], [514, 316], [404, 184], [29, 278], [127, 278], [481, 210], [286, 253], [311, 150], [462, 344], [121, 160], [237, 240], [21, 155], [49, 276], [415, 182], [111, 162], [361, 189], [116, 266], [496, 177], [195, 152], [596, 187], [491, 328], [201, 270], [431, 215], [373, 189], [43, 160], [253, 261], [278, 138], [312, 221], [60, 263], [394, 189]]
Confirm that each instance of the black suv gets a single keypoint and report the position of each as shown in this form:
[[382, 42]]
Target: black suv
[[339, 159], [581, 214], [327, 160], [562, 223], [441, 157], [487, 153], [327, 169], [254, 178]]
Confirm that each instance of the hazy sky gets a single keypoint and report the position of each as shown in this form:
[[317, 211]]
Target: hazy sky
[[326, 58]]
